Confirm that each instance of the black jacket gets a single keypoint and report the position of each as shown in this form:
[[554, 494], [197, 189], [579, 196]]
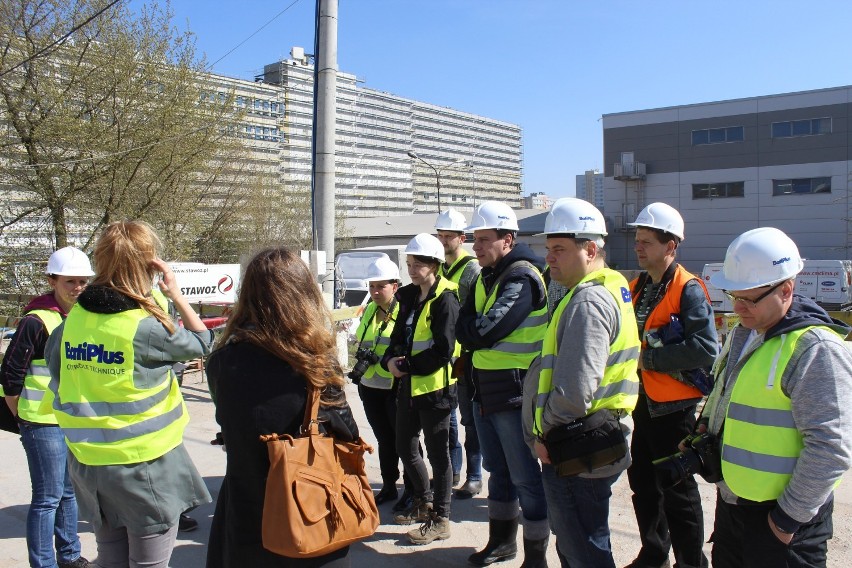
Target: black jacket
[[257, 393], [519, 293], [442, 322]]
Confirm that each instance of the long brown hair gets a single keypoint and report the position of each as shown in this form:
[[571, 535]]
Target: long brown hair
[[123, 256], [280, 308]]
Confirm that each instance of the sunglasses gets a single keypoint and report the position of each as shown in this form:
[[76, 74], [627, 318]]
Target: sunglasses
[[748, 302]]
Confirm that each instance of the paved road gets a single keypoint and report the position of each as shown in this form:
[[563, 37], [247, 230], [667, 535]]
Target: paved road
[[388, 547]]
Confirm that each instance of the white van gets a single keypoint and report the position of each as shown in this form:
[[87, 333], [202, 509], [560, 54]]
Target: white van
[[718, 300], [827, 282], [352, 268]]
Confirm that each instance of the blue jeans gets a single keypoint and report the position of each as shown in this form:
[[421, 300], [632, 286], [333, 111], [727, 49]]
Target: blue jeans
[[515, 474], [455, 445], [579, 517], [53, 510]]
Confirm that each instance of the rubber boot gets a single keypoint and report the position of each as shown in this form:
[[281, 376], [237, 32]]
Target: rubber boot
[[502, 543], [535, 553]]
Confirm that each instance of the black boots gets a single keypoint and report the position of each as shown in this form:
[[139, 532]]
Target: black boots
[[535, 553], [502, 543]]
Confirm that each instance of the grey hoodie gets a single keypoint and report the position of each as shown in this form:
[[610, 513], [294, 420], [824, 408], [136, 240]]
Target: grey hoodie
[[818, 380]]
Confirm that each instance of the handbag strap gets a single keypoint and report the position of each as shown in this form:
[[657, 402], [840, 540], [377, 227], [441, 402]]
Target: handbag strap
[[309, 424]]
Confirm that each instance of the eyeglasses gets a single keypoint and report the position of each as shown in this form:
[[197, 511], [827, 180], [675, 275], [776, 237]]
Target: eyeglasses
[[748, 302]]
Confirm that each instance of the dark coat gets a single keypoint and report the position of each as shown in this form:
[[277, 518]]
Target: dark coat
[[257, 393]]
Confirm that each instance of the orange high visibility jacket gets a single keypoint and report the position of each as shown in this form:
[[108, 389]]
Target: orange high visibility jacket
[[659, 385]]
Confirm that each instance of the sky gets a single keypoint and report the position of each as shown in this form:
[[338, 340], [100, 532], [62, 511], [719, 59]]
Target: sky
[[554, 67]]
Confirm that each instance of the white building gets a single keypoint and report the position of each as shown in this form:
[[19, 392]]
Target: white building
[[476, 158]]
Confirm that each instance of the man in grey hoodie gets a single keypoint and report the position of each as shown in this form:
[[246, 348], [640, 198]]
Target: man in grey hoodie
[[780, 411], [582, 385]]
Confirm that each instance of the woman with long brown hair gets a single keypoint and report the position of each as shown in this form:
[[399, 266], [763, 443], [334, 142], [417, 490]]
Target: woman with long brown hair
[[278, 340], [119, 404]]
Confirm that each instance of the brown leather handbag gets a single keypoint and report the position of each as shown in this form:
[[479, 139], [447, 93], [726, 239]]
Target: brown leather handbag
[[318, 499]]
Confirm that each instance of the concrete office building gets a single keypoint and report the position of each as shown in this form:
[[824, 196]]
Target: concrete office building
[[779, 160], [478, 158], [590, 187]]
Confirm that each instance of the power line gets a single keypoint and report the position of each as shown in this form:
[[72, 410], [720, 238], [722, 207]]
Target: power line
[[257, 31]]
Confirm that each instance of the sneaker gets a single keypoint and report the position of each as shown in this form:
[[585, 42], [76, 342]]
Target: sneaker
[[403, 504], [468, 490], [387, 493], [186, 523], [79, 562], [418, 513], [435, 528]]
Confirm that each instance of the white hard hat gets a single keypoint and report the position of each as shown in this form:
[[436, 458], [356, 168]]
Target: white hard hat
[[575, 216], [383, 268], [760, 257], [69, 261], [426, 245], [451, 220], [660, 216], [493, 215]]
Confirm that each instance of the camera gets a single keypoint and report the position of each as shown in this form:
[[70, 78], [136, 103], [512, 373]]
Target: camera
[[701, 456], [363, 359]]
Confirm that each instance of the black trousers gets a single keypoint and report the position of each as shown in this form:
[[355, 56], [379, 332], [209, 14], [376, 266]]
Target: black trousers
[[667, 517], [380, 408], [742, 538], [435, 425]]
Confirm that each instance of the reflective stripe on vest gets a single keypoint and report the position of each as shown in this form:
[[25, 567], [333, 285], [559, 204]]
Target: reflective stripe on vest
[[424, 384], [518, 349], [105, 417], [619, 388], [375, 377], [659, 385], [36, 400], [761, 445]]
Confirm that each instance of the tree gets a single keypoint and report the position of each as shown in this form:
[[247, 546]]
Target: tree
[[116, 122]]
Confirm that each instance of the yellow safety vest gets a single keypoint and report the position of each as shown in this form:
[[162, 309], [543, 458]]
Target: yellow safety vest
[[423, 340], [105, 417], [36, 401], [619, 389], [518, 349], [761, 444], [375, 376]]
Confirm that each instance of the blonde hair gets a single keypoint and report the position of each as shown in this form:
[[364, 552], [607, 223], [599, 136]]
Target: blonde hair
[[123, 256], [280, 308]]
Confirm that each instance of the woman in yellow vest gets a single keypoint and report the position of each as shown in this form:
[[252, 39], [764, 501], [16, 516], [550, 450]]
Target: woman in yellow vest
[[376, 386], [421, 348], [24, 376], [119, 404]]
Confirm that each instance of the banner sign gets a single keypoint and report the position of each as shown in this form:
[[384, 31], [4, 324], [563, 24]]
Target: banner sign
[[207, 283]]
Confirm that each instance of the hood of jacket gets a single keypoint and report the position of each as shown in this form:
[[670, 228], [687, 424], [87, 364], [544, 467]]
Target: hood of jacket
[[45, 302], [105, 300], [521, 251], [802, 313]]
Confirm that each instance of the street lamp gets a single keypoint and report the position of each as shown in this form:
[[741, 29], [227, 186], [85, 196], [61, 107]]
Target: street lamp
[[437, 172]]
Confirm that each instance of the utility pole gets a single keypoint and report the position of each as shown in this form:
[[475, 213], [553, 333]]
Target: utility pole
[[325, 119]]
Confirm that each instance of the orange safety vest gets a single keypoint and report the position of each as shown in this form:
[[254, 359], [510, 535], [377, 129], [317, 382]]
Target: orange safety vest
[[658, 385]]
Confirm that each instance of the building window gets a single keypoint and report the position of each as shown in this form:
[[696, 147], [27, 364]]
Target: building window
[[718, 135], [801, 185], [809, 127], [713, 190]]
